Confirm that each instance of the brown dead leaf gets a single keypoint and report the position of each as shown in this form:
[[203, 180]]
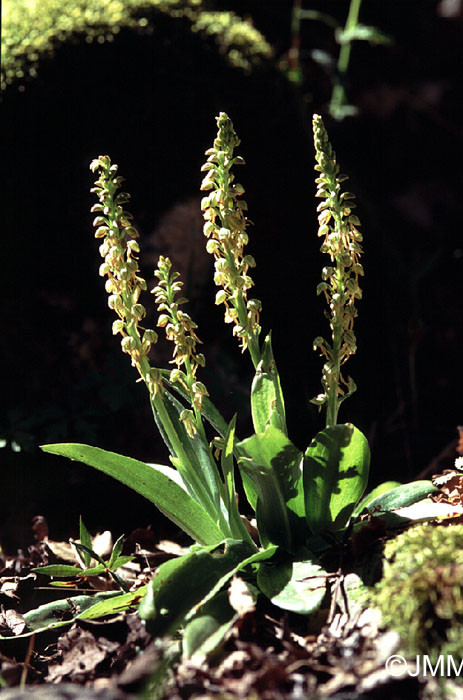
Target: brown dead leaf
[[11, 623], [79, 655]]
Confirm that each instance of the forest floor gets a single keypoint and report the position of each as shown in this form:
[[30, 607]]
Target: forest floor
[[338, 653]]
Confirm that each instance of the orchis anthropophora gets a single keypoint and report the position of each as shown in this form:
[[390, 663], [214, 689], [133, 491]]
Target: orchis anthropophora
[[225, 228], [338, 227]]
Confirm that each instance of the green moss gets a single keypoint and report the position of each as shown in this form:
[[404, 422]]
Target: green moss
[[33, 28], [420, 594], [245, 45]]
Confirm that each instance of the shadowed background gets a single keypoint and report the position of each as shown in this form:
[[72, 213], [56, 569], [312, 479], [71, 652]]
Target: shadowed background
[[147, 96]]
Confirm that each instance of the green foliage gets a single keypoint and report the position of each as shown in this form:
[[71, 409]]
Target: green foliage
[[32, 29], [353, 30], [303, 500], [160, 484], [335, 476], [182, 585], [60, 613], [245, 46], [274, 465], [420, 594], [298, 586], [92, 563]]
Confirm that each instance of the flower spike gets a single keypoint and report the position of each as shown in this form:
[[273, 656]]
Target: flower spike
[[340, 280], [181, 330], [225, 227], [119, 250]]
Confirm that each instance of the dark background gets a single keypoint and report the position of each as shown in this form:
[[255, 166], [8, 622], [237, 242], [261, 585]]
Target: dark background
[[149, 101]]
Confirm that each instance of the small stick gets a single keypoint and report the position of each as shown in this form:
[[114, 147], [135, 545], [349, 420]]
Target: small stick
[[30, 648]]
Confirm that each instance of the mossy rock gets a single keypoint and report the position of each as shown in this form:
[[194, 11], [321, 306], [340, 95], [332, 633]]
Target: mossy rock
[[420, 594], [34, 28]]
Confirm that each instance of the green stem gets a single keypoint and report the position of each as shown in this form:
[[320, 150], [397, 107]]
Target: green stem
[[332, 402], [253, 342], [338, 96]]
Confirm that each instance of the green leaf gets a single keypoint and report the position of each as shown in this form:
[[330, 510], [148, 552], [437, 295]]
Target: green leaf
[[198, 469], [86, 539], [94, 570], [82, 548], [119, 580], [362, 32], [377, 491], [121, 561], [274, 465], [267, 402], [335, 476], [152, 483], [181, 585], [298, 586], [228, 469], [400, 496], [59, 570], [205, 632], [114, 605], [117, 549], [85, 607]]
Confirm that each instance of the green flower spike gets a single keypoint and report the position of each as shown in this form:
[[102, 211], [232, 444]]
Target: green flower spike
[[225, 228], [338, 227], [180, 329], [119, 250]]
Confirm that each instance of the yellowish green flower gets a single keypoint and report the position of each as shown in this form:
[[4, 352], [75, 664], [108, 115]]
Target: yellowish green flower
[[119, 249], [181, 330], [225, 227], [340, 285]]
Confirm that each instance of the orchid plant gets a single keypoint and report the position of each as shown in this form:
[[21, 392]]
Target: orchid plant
[[303, 500]]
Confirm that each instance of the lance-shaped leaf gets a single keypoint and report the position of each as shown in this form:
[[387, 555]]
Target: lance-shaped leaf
[[379, 490], [267, 402], [274, 465], [59, 613], [181, 585], [197, 468], [154, 482], [399, 497], [237, 526], [336, 468]]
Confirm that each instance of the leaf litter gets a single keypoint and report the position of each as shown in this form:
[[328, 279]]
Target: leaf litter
[[338, 653]]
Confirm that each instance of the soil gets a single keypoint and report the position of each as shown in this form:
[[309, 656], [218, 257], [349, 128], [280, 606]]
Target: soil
[[337, 653]]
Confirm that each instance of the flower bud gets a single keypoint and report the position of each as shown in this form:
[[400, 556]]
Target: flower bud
[[101, 232], [118, 326], [150, 336], [221, 297], [199, 388], [128, 344], [254, 305], [200, 359]]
